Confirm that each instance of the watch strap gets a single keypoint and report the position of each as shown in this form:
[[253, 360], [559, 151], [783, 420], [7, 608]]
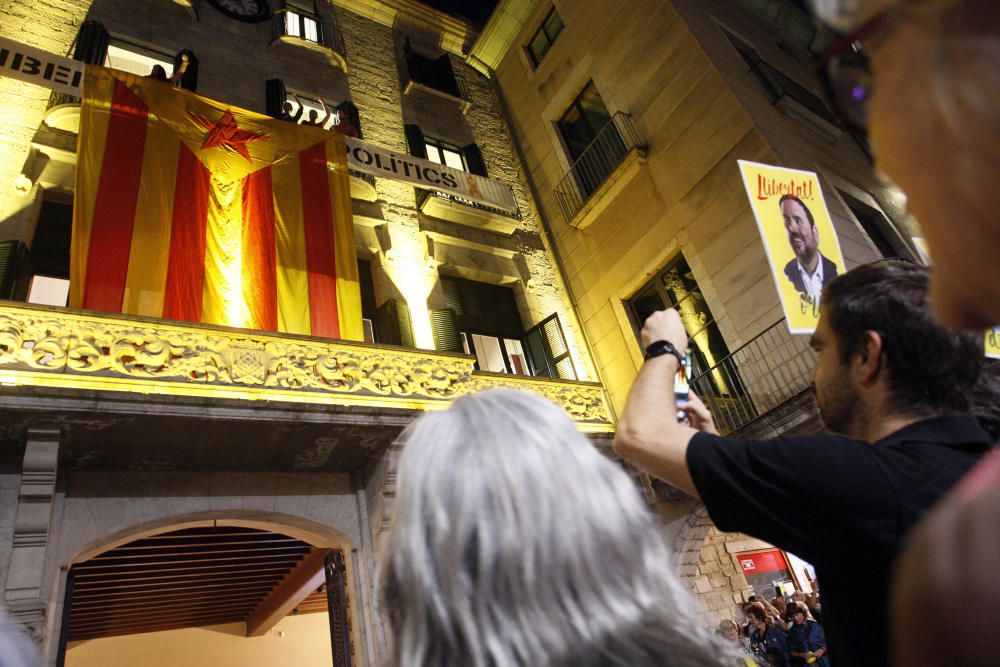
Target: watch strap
[[660, 347]]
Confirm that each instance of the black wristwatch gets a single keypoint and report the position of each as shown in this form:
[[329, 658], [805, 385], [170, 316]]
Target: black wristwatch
[[661, 347]]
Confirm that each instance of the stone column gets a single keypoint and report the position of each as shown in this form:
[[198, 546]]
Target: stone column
[[22, 590]]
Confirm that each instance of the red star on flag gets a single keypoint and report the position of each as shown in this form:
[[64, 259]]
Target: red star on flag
[[225, 134]]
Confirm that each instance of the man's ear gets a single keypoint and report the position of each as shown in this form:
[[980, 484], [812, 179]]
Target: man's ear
[[868, 360]]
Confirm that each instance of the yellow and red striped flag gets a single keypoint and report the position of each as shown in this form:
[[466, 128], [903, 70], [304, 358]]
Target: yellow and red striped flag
[[189, 209]]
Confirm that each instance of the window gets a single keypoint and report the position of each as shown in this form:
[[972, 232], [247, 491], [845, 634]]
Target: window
[[543, 39], [136, 59], [310, 104], [777, 84], [303, 24], [482, 320], [594, 144], [876, 226], [443, 153], [675, 287], [432, 73]]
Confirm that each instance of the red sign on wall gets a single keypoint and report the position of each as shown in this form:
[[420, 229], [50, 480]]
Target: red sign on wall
[[763, 561]]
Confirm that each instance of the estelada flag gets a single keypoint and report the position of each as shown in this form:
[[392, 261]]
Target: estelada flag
[[190, 209]]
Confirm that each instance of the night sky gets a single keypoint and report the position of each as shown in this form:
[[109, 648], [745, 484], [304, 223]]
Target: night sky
[[476, 11]]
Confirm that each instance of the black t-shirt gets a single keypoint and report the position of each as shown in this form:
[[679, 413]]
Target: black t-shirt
[[841, 504]]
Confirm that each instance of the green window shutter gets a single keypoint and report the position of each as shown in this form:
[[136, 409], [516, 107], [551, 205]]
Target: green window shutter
[[547, 350], [15, 270], [393, 325], [446, 338], [91, 43]]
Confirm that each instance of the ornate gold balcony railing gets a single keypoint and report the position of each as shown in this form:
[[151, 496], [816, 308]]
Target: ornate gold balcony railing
[[71, 349]]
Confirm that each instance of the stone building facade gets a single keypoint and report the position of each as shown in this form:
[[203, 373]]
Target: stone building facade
[[630, 117], [94, 463]]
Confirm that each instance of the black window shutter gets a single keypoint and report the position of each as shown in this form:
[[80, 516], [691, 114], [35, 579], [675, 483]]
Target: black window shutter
[[446, 338], [474, 160], [547, 350], [15, 270], [349, 114], [274, 97], [393, 325], [415, 140], [92, 43], [190, 79]]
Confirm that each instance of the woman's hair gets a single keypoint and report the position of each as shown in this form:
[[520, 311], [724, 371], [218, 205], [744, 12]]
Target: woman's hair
[[797, 608], [758, 611], [515, 543]]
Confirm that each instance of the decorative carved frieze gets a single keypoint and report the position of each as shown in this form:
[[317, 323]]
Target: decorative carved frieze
[[53, 347]]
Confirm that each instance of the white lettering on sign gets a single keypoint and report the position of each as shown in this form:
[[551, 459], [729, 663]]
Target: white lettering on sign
[[748, 564], [372, 159], [27, 63]]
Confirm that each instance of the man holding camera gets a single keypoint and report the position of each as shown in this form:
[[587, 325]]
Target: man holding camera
[[887, 377]]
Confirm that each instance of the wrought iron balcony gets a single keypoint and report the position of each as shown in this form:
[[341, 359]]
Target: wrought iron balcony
[[75, 353], [772, 370], [613, 143]]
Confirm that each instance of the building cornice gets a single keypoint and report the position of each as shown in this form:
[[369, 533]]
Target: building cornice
[[496, 37], [457, 36]]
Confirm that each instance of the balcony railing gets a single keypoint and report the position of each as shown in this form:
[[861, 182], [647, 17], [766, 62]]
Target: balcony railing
[[62, 350], [308, 29], [608, 149], [771, 369]]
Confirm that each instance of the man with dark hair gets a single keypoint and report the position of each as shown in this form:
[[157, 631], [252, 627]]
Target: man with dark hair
[[810, 271], [892, 381]]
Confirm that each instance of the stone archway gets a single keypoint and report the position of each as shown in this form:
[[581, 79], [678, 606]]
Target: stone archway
[[708, 568], [313, 538]]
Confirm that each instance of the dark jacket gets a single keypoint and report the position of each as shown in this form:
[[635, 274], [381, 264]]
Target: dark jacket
[[807, 637], [792, 273], [772, 645]]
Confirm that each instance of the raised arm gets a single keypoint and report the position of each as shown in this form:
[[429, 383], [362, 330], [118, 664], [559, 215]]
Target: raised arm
[[648, 432]]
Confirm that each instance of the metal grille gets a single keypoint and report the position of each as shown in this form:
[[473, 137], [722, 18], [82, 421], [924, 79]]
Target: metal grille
[[772, 368], [608, 149]]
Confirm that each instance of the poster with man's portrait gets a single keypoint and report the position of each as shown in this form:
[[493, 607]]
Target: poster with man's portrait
[[798, 235]]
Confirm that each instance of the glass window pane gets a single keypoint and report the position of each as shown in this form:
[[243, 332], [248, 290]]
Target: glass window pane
[[515, 353], [453, 159], [48, 291], [539, 46], [433, 154], [465, 342], [311, 29], [553, 25], [127, 60], [648, 302], [488, 353], [292, 24]]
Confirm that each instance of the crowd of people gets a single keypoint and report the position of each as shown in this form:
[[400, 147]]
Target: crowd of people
[[779, 633]]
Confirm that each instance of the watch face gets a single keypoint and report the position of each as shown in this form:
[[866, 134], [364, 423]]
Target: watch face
[[243, 10]]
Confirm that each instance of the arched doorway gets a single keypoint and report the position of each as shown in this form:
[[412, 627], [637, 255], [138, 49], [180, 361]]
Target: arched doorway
[[215, 592]]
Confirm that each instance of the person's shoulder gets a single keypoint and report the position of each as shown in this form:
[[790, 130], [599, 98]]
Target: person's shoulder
[[829, 267], [790, 268]]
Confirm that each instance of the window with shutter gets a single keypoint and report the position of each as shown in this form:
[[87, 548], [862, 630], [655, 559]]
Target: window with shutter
[[393, 325], [446, 335], [91, 43], [547, 350], [15, 270]]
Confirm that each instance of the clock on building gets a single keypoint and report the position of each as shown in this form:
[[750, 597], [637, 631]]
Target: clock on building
[[251, 11]]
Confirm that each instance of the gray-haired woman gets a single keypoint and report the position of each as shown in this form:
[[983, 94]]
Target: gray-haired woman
[[515, 543]]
